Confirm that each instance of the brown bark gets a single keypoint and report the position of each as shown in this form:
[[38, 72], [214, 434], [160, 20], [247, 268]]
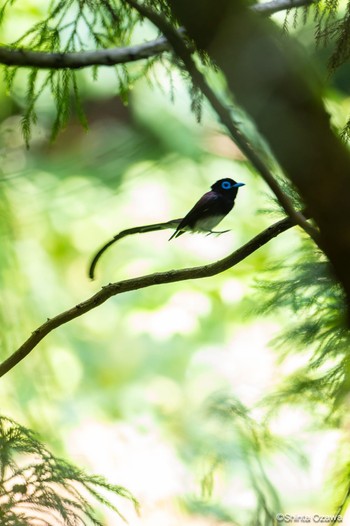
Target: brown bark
[[150, 280], [276, 85]]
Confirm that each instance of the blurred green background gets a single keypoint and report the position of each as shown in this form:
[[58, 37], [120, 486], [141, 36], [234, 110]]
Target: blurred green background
[[140, 389]]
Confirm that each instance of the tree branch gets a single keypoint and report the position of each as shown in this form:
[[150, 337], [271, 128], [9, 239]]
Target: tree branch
[[181, 50], [269, 8], [285, 101], [158, 278], [114, 56], [84, 59]]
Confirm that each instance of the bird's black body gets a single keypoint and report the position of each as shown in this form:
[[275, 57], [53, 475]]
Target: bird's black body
[[203, 217], [210, 209]]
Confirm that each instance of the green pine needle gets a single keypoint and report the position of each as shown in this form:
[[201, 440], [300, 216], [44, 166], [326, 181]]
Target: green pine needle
[[37, 486]]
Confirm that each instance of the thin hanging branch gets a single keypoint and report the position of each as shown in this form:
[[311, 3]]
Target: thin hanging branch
[[285, 102], [158, 278], [181, 50], [21, 57]]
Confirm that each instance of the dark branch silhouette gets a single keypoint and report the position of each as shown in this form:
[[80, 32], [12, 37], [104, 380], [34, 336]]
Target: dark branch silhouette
[[158, 278], [184, 53], [285, 103], [83, 59], [22, 57]]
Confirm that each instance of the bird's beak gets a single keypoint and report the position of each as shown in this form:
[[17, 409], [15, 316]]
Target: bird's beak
[[237, 185]]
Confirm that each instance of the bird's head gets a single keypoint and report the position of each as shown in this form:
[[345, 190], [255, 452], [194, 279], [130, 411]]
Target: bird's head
[[227, 185]]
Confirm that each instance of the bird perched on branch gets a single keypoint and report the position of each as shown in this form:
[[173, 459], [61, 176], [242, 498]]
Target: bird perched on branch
[[210, 209], [203, 217]]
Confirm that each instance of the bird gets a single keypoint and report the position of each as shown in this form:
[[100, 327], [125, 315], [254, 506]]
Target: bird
[[211, 208], [203, 217]]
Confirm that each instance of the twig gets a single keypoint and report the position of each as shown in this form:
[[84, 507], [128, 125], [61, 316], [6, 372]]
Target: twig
[[269, 8], [101, 57], [158, 278], [111, 57], [180, 49]]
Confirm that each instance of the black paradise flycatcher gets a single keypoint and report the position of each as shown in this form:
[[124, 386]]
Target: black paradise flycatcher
[[206, 214]]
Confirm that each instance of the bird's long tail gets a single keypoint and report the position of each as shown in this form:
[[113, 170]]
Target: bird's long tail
[[174, 223]]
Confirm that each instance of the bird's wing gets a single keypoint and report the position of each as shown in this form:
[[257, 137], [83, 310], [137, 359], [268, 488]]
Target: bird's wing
[[207, 203]]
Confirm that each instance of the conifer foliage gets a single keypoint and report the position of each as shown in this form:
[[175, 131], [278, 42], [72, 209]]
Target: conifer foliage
[[38, 488], [76, 26]]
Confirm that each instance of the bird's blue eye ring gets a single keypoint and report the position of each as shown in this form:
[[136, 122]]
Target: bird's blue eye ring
[[225, 185]]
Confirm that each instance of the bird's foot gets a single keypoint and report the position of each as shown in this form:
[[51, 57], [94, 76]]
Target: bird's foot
[[217, 232]]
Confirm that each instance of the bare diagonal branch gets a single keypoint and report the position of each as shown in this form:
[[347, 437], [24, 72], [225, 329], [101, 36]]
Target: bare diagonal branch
[[286, 103], [158, 278], [113, 56], [181, 50]]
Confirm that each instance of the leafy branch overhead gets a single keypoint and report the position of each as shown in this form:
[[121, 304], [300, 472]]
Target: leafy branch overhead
[[69, 26], [74, 35]]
